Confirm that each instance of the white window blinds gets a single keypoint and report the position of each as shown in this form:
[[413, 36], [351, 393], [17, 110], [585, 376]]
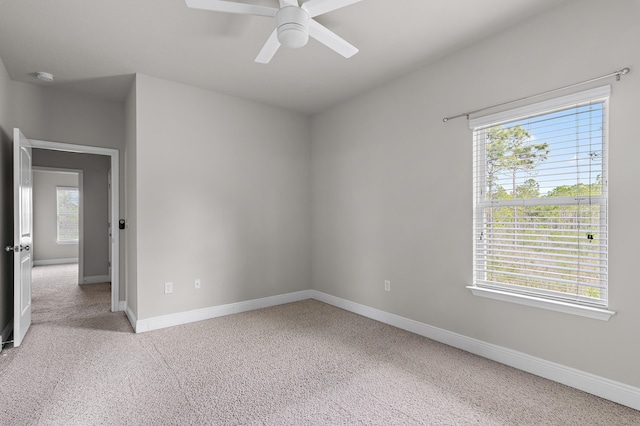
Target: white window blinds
[[540, 189], [68, 199]]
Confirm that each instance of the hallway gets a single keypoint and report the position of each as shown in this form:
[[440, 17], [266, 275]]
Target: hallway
[[56, 295]]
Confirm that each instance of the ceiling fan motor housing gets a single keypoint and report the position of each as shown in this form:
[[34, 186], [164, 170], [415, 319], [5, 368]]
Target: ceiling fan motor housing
[[293, 26]]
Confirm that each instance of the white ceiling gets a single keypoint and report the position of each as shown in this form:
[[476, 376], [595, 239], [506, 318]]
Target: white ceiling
[[94, 46]]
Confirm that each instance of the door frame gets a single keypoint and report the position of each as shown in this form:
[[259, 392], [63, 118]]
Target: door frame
[[80, 174], [114, 214]]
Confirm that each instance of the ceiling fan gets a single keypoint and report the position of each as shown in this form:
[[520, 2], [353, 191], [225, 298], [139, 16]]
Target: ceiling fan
[[295, 23]]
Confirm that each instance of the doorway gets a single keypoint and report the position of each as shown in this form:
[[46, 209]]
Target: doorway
[[112, 251], [57, 216]]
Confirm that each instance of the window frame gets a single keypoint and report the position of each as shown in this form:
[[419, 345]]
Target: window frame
[[58, 214], [525, 296]]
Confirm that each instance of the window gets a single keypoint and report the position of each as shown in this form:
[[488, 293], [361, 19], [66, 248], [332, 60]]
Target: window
[[540, 208], [68, 199]]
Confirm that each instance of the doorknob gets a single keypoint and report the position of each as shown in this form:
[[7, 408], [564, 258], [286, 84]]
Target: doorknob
[[16, 249]]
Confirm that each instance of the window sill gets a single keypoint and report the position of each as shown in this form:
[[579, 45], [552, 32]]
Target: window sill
[[67, 242], [552, 305]]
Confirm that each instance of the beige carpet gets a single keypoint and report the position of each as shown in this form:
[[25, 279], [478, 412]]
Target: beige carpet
[[296, 364]]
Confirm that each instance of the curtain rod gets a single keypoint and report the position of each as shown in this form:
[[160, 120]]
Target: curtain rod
[[623, 71]]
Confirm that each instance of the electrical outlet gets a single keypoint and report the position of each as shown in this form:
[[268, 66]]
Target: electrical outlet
[[197, 283], [168, 288], [387, 285]]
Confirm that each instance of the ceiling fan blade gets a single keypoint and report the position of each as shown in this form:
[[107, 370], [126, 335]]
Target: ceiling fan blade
[[331, 39], [232, 7], [319, 7], [269, 49]]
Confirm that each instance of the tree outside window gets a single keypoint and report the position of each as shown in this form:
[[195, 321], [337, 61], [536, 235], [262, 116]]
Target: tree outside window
[[68, 203]]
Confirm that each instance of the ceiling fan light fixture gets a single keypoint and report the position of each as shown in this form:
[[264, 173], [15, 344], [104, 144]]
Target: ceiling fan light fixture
[[292, 37], [293, 26], [295, 23]]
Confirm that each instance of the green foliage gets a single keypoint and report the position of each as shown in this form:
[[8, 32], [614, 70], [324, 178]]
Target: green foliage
[[68, 214], [68, 201], [537, 245], [577, 190], [529, 189], [509, 150]]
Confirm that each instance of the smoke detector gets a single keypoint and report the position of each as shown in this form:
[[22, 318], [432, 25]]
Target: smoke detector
[[44, 76]]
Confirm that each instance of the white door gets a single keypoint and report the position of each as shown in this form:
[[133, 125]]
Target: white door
[[22, 237]]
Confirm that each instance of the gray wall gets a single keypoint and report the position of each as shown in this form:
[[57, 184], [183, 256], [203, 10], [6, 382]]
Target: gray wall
[[392, 188], [45, 223], [222, 195], [130, 186], [68, 117], [95, 170], [6, 198], [218, 188]]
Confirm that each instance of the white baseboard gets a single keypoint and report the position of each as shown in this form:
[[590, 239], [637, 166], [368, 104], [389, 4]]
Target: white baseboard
[[132, 318], [605, 388], [170, 320], [6, 332], [587, 382], [96, 279], [55, 261]]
